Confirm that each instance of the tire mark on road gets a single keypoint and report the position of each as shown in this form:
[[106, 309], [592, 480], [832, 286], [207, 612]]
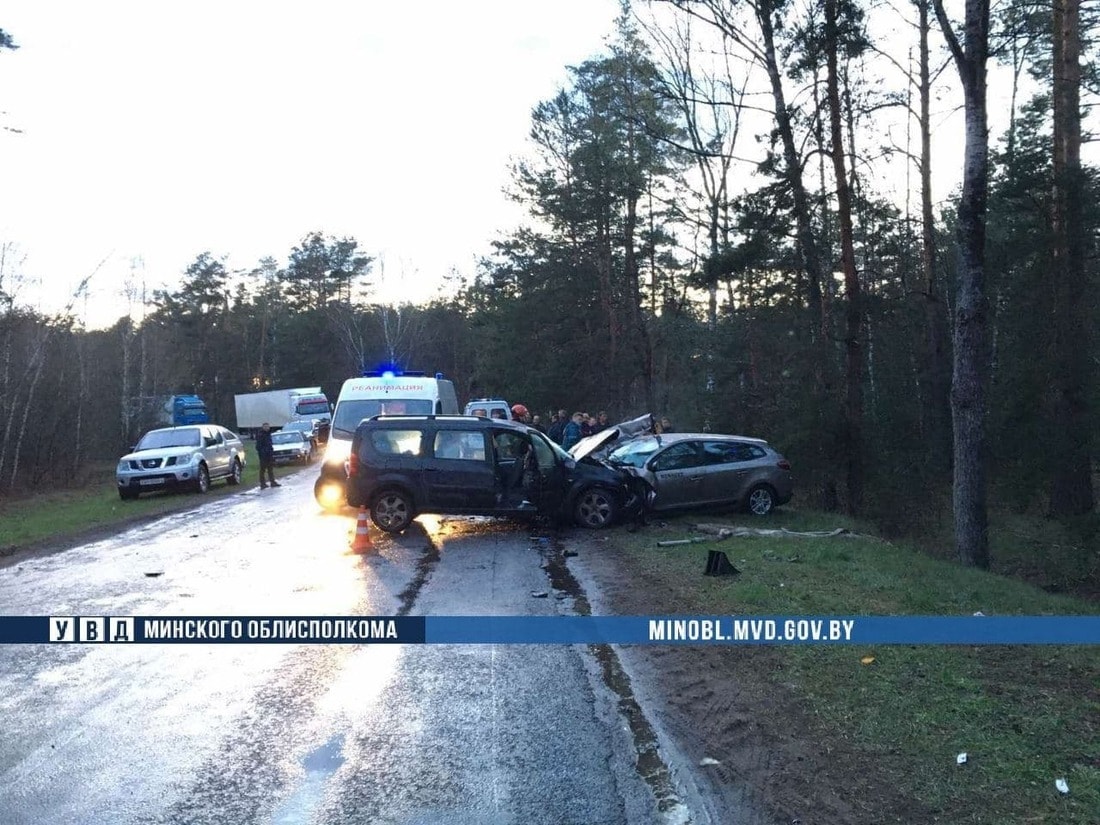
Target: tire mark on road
[[425, 565], [650, 765]]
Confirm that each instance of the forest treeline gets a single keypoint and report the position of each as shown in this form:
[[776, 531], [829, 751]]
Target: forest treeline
[[712, 238]]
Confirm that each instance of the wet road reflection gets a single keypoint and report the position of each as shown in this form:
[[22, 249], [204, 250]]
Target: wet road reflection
[[325, 734]]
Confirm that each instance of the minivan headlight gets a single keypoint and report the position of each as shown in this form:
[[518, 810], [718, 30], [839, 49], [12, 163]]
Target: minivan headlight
[[337, 451]]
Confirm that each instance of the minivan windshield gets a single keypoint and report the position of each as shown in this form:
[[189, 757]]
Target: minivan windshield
[[349, 413], [562, 455]]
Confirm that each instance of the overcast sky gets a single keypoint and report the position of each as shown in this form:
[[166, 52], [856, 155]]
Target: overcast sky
[[156, 131]]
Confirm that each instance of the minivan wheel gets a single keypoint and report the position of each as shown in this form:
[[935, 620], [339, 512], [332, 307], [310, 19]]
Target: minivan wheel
[[595, 509], [761, 500], [202, 480], [392, 511]]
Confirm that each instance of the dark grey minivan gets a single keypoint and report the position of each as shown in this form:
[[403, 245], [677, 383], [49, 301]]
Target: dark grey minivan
[[402, 466]]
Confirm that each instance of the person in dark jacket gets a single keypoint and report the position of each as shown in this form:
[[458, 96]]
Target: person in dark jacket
[[572, 431], [557, 427], [265, 450]]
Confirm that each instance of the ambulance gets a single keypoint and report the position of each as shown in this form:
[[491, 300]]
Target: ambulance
[[382, 392]]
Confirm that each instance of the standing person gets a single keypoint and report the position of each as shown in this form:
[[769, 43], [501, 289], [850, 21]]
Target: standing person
[[572, 431], [519, 413], [557, 427], [666, 425], [266, 452], [602, 422], [536, 422], [586, 425]]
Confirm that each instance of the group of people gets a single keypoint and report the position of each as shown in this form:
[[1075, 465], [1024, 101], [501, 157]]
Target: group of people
[[567, 430]]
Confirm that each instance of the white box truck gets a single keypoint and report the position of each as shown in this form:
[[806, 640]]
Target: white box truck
[[279, 407]]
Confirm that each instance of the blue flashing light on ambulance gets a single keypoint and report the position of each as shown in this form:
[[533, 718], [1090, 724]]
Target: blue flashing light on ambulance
[[388, 390]]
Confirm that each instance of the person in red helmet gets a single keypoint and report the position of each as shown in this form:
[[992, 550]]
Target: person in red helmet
[[519, 413]]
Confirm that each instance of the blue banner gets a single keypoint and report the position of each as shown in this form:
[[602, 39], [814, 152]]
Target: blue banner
[[523, 630], [763, 630]]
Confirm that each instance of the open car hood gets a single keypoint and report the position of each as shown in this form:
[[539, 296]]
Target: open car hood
[[605, 438]]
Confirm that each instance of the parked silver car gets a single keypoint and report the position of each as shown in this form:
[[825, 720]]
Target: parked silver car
[[175, 457], [291, 445], [687, 470], [312, 430]]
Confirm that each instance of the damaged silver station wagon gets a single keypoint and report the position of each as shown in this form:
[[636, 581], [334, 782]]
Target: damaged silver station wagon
[[695, 470]]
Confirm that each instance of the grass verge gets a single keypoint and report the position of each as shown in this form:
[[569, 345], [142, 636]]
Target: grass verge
[[62, 514], [1025, 716]]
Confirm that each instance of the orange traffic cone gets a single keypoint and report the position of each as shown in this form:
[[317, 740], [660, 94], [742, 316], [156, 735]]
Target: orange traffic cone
[[361, 543]]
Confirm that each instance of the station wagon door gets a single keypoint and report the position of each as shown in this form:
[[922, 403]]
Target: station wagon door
[[678, 473], [727, 470]]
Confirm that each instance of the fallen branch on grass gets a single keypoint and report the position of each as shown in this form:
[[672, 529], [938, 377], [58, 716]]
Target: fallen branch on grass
[[724, 531]]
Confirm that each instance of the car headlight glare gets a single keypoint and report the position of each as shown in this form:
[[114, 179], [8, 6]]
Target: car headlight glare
[[337, 451]]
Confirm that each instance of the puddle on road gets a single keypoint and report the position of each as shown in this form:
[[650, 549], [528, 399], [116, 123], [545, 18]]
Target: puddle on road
[[319, 765], [650, 765]]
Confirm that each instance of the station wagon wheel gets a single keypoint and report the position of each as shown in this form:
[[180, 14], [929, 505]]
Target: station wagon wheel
[[595, 509], [392, 511], [761, 500], [202, 480], [235, 473]]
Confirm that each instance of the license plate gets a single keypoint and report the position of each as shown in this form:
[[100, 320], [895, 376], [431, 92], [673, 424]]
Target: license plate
[[151, 482]]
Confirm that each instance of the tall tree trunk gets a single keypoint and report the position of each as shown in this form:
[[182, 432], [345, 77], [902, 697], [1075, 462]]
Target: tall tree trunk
[[852, 440], [934, 372], [811, 262], [793, 170], [126, 408], [38, 361], [640, 334], [971, 357], [1071, 490]]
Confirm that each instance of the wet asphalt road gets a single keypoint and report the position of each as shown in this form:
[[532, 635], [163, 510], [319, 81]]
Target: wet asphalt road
[[325, 734]]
